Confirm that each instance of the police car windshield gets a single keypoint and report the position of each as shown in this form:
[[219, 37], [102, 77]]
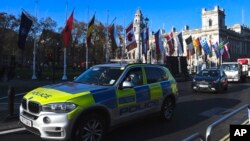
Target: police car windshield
[[100, 76], [209, 73], [230, 67]]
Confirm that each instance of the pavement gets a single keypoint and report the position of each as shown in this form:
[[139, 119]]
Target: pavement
[[7, 121]]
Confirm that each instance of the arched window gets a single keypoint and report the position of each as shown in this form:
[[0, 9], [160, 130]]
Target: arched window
[[210, 22]]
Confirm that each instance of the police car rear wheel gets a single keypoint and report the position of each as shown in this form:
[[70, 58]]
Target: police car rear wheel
[[92, 128], [167, 109]]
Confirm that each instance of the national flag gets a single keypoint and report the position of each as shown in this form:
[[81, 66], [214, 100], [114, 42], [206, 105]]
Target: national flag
[[145, 37], [159, 43], [226, 54], [115, 41], [190, 45], [67, 30], [216, 49], [179, 43], [205, 46], [90, 29], [197, 45], [130, 37], [170, 42], [221, 48], [24, 29]]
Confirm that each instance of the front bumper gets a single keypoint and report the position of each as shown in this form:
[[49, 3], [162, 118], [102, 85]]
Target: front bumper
[[205, 87], [47, 125]]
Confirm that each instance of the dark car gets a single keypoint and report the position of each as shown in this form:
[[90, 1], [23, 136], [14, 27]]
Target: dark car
[[210, 80]]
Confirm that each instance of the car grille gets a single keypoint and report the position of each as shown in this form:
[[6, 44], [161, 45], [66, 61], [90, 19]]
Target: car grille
[[33, 107], [24, 104]]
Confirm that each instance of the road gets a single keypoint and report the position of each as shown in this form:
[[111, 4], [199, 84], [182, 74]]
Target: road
[[194, 113]]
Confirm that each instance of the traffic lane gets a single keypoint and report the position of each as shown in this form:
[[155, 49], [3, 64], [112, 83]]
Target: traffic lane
[[194, 113], [190, 117], [20, 136]]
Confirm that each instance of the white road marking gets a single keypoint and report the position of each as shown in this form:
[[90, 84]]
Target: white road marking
[[12, 131]]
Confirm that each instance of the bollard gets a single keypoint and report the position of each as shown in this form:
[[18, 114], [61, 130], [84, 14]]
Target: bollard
[[11, 100]]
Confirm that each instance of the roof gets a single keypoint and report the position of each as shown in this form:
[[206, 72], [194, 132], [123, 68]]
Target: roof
[[126, 64]]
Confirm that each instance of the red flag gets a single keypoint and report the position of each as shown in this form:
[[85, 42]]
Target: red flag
[[170, 41], [130, 37], [226, 54], [67, 30]]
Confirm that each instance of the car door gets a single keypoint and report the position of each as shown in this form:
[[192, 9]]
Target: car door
[[131, 99]]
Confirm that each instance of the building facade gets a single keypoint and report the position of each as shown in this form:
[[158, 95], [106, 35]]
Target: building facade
[[214, 30]]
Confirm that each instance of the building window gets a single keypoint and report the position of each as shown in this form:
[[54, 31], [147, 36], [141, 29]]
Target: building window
[[134, 29], [210, 22]]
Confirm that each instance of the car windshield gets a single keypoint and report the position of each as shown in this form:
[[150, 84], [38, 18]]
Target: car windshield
[[229, 67], [100, 76], [209, 73]]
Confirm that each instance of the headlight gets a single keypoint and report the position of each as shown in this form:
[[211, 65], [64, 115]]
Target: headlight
[[194, 80], [59, 107], [217, 81]]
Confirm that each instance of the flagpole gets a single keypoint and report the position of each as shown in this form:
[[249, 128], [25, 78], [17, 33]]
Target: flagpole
[[65, 50], [124, 42], [87, 57], [34, 50], [107, 39]]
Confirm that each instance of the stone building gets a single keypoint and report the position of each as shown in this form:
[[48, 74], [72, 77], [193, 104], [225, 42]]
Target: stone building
[[215, 29]]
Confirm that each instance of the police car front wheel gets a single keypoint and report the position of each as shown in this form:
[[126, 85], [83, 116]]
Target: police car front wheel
[[92, 128]]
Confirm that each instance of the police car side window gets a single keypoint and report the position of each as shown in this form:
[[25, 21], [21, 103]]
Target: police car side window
[[155, 74], [135, 76]]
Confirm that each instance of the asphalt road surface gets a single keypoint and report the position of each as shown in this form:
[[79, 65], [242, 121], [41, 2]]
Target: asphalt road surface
[[194, 113]]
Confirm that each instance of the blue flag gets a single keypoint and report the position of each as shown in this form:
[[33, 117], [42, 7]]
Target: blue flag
[[205, 46]]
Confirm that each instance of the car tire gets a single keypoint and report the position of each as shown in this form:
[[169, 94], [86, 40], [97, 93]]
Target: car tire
[[167, 109], [91, 127]]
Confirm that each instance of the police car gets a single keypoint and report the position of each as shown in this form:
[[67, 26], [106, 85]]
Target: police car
[[103, 96]]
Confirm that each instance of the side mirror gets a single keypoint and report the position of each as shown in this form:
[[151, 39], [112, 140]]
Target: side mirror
[[126, 84]]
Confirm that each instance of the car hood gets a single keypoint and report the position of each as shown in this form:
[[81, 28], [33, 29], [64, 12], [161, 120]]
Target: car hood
[[209, 79], [62, 92]]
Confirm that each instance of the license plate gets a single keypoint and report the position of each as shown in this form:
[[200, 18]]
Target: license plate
[[203, 86], [26, 121]]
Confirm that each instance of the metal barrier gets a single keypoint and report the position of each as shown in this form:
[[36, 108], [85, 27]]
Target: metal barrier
[[210, 127], [195, 136]]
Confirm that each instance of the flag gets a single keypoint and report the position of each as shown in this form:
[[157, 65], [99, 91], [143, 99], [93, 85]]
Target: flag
[[226, 54], [158, 43], [190, 45], [197, 45], [170, 42], [90, 29], [145, 37], [24, 29], [130, 37], [67, 30], [115, 41], [179, 43], [221, 48], [205, 46], [216, 49]]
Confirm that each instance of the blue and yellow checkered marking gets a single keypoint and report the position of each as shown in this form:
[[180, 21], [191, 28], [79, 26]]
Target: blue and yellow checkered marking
[[166, 88], [142, 93], [107, 98]]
